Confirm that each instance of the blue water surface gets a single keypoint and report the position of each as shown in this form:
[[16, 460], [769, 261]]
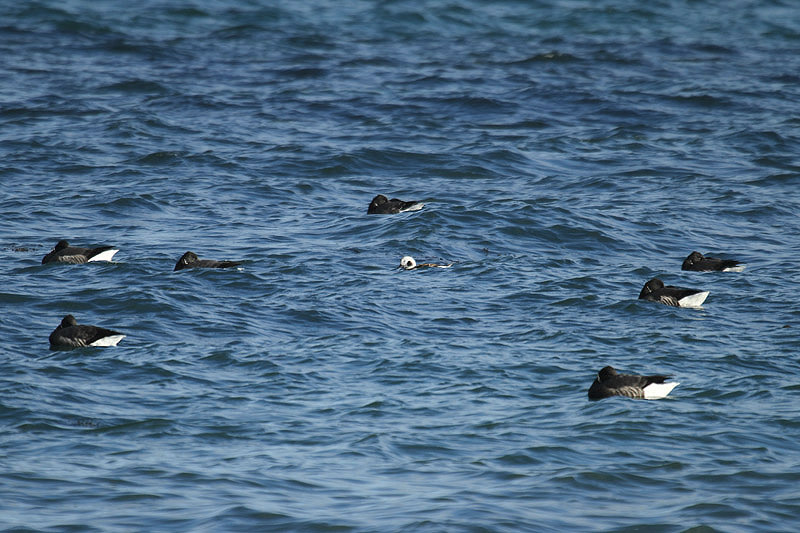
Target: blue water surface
[[566, 152]]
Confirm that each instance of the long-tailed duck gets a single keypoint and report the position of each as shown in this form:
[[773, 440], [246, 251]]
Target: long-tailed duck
[[70, 334], [64, 253], [655, 291], [380, 205], [609, 383], [408, 263], [190, 260], [700, 263]]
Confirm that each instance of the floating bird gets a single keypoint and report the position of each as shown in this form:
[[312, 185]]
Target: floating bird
[[69, 334], [655, 291], [381, 206], [699, 263], [64, 253], [408, 263], [190, 260], [609, 383]]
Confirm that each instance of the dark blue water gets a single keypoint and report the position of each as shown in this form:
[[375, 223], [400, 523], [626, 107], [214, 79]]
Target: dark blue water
[[567, 152]]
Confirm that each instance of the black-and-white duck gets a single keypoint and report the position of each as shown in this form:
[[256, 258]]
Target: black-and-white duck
[[64, 253], [380, 205], [655, 291], [700, 263], [610, 383], [190, 260], [70, 334], [408, 263]]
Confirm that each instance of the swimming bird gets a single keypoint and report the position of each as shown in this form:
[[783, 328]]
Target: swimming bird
[[700, 263], [190, 260], [609, 383], [64, 253], [655, 291], [408, 263], [380, 205], [69, 334]]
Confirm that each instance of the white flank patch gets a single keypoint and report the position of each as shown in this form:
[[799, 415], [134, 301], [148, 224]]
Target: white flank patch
[[734, 269], [694, 300], [103, 256], [111, 340], [656, 391], [415, 207]]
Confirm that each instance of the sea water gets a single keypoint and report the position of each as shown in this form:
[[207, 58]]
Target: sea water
[[566, 153]]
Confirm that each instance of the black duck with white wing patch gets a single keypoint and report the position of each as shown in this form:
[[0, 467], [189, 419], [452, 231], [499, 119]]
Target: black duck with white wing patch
[[64, 253], [380, 205], [700, 263], [70, 334], [609, 383], [190, 260], [655, 291]]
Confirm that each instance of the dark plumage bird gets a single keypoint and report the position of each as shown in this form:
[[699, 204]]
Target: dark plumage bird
[[699, 263], [609, 383], [190, 260], [70, 334], [64, 253], [380, 205], [655, 291]]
